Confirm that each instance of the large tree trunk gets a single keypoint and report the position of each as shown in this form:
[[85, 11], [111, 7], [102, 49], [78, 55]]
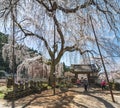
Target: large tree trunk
[[52, 75]]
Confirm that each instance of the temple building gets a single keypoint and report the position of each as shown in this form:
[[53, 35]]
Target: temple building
[[91, 71]]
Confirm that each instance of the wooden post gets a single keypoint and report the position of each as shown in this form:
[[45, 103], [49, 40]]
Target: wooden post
[[54, 60], [102, 60], [88, 77], [13, 53]]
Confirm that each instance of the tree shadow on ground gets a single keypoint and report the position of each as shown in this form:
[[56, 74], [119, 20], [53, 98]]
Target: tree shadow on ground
[[32, 98], [29, 102], [106, 103], [81, 92], [62, 101]]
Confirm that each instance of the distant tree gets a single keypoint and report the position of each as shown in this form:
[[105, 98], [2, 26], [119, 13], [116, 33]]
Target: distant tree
[[65, 68], [3, 65]]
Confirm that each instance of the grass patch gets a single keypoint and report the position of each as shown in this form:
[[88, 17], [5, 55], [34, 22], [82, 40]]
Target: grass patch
[[2, 95], [4, 90]]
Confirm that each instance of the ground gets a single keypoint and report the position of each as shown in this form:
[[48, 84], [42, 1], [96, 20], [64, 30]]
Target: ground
[[73, 98]]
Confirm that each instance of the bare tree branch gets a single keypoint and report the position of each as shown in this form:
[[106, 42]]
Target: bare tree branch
[[85, 5], [29, 33]]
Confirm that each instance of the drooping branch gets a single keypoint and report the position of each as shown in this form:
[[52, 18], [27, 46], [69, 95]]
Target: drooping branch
[[59, 31], [29, 33], [85, 5], [55, 6], [113, 7], [42, 2], [49, 9], [109, 11], [68, 48], [7, 7], [68, 10]]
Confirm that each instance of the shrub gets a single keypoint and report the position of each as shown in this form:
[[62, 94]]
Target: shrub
[[117, 86], [9, 82]]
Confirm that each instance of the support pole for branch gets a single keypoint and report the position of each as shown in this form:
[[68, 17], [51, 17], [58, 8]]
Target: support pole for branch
[[54, 62], [102, 60], [13, 51]]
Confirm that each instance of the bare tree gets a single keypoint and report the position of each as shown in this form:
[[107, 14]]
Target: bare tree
[[36, 18]]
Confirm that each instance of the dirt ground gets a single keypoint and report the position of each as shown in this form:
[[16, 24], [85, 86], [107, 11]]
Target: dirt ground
[[73, 98]]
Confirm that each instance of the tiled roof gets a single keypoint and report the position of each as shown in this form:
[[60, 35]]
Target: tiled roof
[[84, 68]]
